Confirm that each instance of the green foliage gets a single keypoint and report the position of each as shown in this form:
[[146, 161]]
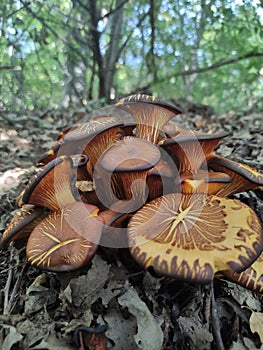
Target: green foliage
[[61, 53]]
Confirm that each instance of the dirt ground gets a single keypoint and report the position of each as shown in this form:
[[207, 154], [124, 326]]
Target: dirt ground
[[112, 300]]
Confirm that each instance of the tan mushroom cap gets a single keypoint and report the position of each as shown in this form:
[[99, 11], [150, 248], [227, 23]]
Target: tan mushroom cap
[[150, 114], [127, 161], [22, 224], [192, 237], [52, 187], [191, 150], [65, 240], [242, 176], [251, 278], [202, 181]]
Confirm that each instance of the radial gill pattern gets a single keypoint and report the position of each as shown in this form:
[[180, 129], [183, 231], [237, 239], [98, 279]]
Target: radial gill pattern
[[193, 236]]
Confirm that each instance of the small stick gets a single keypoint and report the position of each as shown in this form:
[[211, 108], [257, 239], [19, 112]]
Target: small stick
[[17, 286], [215, 320], [6, 290]]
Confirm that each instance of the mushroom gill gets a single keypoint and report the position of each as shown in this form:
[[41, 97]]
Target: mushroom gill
[[192, 237], [52, 186], [243, 177], [191, 149], [95, 136], [22, 224], [149, 113]]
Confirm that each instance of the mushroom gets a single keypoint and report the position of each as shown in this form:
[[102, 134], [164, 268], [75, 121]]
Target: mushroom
[[123, 167], [150, 114], [21, 225], [95, 137], [201, 181], [52, 186], [192, 237], [242, 176], [251, 278], [191, 149], [66, 239]]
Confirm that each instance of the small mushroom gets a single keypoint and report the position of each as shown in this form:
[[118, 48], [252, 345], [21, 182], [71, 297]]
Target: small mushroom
[[242, 176], [52, 186], [21, 225], [191, 149], [124, 166], [192, 237], [201, 181], [251, 278], [65, 240], [150, 114], [95, 137]]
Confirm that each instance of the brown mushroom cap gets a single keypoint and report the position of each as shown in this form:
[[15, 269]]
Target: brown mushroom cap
[[65, 240], [52, 187], [95, 137], [22, 224], [193, 236], [91, 128], [191, 150], [202, 181], [130, 154], [251, 278], [150, 114], [242, 176], [124, 163]]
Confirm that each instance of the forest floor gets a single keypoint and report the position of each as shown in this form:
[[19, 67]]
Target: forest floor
[[124, 306]]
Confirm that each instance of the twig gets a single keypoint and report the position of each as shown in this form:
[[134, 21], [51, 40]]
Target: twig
[[17, 286], [7, 287], [215, 320]]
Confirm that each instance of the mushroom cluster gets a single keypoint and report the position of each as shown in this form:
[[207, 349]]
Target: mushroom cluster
[[146, 184]]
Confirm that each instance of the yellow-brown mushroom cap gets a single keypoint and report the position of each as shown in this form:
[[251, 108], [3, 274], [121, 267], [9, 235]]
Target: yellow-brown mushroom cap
[[22, 224], [52, 186], [242, 176], [66, 239], [251, 278], [191, 237]]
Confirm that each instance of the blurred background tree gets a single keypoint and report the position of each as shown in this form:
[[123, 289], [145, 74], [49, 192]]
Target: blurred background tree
[[70, 52]]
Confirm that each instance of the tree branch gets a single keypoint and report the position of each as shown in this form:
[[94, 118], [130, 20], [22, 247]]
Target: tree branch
[[205, 69], [219, 64]]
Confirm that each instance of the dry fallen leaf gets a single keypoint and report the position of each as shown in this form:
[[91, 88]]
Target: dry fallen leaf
[[256, 324]]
